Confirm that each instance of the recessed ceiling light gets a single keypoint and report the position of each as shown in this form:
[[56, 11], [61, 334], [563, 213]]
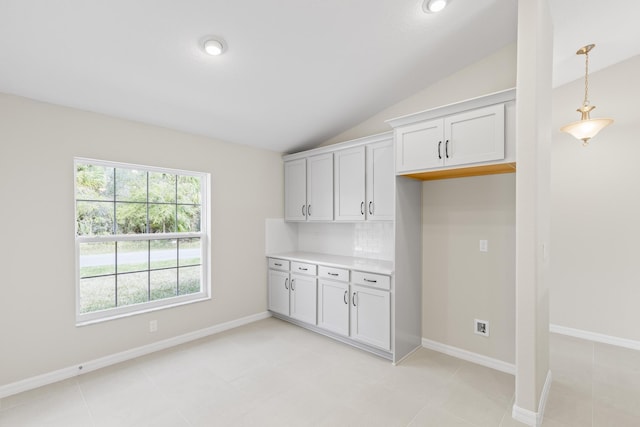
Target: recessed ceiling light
[[433, 6], [213, 47]]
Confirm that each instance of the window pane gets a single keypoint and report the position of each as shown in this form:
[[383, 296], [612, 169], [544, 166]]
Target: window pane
[[162, 187], [164, 254], [164, 283], [97, 259], [188, 218], [189, 252], [98, 293], [189, 280], [162, 218], [133, 256], [188, 190], [94, 182], [131, 218], [94, 218], [131, 185], [133, 288]]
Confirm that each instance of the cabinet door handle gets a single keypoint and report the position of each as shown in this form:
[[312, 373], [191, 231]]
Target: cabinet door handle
[[286, 283], [344, 298], [446, 148], [303, 211], [439, 152], [370, 208], [362, 208], [353, 299], [293, 281], [309, 210], [369, 280], [332, 274]]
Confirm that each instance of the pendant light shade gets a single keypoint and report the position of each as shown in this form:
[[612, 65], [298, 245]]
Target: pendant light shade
[[586, 128]]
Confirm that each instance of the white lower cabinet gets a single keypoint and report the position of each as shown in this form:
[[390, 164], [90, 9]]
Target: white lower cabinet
[[333, 306], [371, 316], [303, 297], [353, 304], [279, 291]]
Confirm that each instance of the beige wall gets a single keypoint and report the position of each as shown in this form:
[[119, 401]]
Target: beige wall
[[494, 73], [37, 319], [456, 215], [595, 207], [460, 283]]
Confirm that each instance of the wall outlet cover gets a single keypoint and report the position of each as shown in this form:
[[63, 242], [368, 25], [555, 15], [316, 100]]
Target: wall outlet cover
[[481, 327]]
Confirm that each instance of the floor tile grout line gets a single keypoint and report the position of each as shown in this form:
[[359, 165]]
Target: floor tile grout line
[[84, 400]]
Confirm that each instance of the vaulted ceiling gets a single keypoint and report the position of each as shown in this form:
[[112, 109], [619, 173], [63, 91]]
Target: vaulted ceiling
[[294, 72]]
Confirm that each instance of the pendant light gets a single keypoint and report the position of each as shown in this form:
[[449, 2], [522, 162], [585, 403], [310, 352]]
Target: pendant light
[[586, 128]]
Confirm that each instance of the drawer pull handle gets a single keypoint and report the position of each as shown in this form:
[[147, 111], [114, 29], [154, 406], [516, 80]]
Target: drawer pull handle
[[286, 283], [345, 297], [369, 280], [278, 264], [353, 299], [332, 274], [303, 268]]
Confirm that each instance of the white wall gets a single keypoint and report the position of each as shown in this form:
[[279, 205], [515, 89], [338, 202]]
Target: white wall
[[448, 309], [37, 308], [595, 207]]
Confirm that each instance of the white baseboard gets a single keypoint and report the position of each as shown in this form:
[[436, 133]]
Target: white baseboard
[[469, 356], [92, 365], [531, 418], [595, 336]]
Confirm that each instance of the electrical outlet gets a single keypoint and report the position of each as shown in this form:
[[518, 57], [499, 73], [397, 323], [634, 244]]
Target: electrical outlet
[[484, 246], [153, 325], [481, 327]]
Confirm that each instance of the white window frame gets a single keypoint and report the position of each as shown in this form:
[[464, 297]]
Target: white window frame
[[203, 234]]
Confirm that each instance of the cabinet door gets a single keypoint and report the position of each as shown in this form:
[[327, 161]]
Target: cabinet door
[[295, 190], [380, 181], [419, 146], [303, 298], [371, 316], [320, 187], [279, 292], [350, 184], [475, 136], [333, 306]]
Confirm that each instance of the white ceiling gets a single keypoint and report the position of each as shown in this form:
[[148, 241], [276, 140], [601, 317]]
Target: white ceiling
[[296, 72]]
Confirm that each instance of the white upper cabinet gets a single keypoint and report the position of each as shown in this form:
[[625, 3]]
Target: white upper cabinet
[[380, 181], [474, 136], [350, 184], [320, 187], [295, 190], [477, 132], [308, 188]]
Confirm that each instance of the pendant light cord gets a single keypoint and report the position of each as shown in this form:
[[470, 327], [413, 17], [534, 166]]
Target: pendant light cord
[[586, 79]]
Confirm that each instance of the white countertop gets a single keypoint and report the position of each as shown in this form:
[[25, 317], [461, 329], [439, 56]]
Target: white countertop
[[338, 261]]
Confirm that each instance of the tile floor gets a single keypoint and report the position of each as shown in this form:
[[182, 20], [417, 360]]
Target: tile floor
[[271, 373]]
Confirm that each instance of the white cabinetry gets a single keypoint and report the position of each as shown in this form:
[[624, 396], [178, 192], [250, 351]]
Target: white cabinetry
[[308, 188], [364, 183], [470, 137], [303, 292], [294, 293], [333, 300], [370, 312], [475, 133]]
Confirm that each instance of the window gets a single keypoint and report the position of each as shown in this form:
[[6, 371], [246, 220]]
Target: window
[[141, 238]]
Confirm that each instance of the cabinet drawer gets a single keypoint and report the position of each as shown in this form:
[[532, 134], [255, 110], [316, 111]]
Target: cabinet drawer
[[370, 279], [333, 273], [278, 264], [303, 268]]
